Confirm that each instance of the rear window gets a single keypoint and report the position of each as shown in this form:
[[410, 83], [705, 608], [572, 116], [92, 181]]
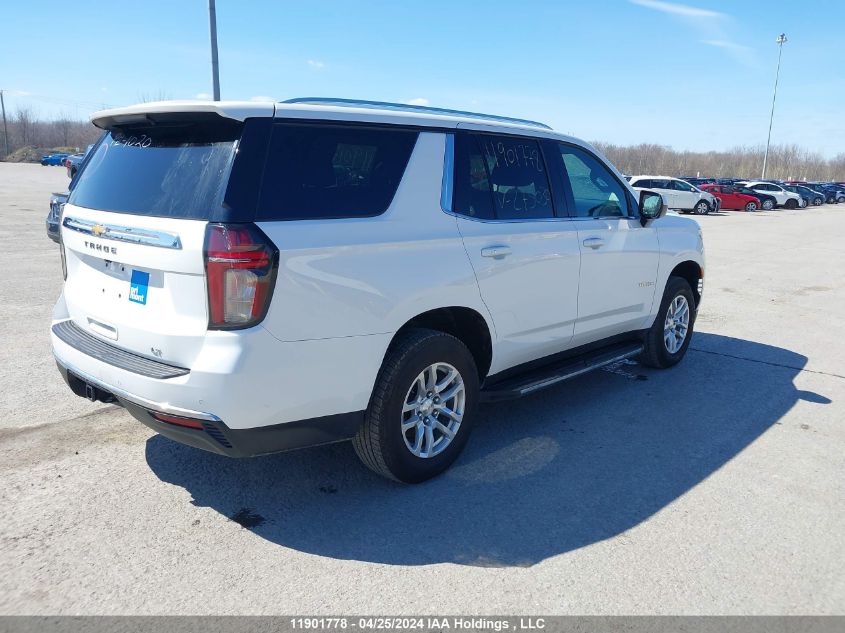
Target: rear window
[[319, 171], [171, 167]]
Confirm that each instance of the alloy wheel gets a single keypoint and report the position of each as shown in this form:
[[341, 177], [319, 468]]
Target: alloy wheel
[[433, 410], [676, 326]]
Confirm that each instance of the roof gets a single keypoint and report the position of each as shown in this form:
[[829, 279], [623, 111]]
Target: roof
[[330, 109]]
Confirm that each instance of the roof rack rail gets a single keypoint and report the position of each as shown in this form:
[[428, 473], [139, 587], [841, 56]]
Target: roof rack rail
[[385, 105]]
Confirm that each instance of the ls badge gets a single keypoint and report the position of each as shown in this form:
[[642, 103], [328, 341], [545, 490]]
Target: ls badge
[[138, 286]]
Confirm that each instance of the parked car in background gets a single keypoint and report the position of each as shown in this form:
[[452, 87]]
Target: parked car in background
[[783, 198], [807, 195], [74, 162], [767, 201], [816, 197], [831, 193], [54, 159], [840, 191], [730, 198], [806, 199], [679, 194], [57, 202]]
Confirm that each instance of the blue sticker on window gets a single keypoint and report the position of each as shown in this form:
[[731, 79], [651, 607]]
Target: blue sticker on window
[[138, 286]]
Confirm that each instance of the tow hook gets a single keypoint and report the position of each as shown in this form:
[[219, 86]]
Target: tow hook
[[91, 393]]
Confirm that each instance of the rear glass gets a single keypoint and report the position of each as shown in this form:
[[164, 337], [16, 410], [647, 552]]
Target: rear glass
[[171, 168], [332, 171]]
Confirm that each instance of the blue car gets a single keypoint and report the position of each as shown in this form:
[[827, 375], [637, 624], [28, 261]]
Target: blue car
[[54, 159]]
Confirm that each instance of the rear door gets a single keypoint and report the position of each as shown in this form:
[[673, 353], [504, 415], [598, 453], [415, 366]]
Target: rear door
[[133, 231], [526, 258]]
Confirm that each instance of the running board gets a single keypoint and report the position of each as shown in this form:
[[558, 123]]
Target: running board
[[542, 377]]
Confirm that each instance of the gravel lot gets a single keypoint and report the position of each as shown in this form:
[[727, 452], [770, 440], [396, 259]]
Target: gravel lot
[[715, 487]]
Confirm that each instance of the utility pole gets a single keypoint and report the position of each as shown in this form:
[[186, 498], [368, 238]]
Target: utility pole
[[5, 127], [781, 40], [215, 72]]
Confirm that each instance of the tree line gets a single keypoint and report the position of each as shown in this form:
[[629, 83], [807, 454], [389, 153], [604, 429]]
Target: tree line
[[786, 162], [26, 130]]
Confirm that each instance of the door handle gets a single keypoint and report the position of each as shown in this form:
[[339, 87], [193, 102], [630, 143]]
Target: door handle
[[593, 242], [496, 251]]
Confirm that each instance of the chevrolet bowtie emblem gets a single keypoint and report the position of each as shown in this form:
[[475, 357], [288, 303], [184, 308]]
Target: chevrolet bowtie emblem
[[99, 229]]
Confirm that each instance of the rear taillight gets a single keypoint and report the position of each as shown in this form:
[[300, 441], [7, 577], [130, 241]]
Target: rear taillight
[[240, 266]]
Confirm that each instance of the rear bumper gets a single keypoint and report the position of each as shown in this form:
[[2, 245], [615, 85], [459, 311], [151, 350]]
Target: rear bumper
[[214, 435]]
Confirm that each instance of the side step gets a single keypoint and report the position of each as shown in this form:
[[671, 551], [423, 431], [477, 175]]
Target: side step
[[548, 375]]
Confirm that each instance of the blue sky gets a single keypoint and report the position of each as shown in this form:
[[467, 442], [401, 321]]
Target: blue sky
[[694, 76]]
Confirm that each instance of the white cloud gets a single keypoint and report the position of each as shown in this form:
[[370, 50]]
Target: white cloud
[[418, 101], [731, 46], [713, 28], [204, 96], [682, 10], [316, 64], [262, 99]]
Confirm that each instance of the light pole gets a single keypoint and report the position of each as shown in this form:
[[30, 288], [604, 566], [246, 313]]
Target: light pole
[[781, 40], [212, 26]]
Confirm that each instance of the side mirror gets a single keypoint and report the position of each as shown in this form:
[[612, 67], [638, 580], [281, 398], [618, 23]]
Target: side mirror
[[652, 207]]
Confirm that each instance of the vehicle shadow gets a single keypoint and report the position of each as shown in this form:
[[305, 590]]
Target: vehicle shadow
[[541, 476]]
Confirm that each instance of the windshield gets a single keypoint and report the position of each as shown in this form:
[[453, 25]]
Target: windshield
[[167, 168]]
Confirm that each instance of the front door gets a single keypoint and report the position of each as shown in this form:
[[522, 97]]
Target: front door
[[619, 256]]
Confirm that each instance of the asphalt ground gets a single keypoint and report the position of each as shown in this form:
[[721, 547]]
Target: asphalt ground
[[717, 487]]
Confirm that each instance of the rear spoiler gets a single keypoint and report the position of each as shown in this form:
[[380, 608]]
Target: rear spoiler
[[237, 110]]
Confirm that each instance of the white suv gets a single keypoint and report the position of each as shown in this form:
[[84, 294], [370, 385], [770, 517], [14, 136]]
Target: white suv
[[679, 194], [783, 197], [248, 278]]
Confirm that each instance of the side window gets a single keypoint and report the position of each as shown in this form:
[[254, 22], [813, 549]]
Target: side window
[[500, 177], [660, 184], [472, 195], [517, 176], [679, 185], [332, 171], [644, 183], [595, 190]]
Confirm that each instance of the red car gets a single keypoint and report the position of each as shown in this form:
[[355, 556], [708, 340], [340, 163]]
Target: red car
[[731, 198]]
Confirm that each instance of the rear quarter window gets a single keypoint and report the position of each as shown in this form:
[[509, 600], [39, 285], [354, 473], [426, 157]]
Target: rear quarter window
[[319, 171]]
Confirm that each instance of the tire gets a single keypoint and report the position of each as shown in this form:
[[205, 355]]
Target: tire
[[831, 200], [791, 204], [768, 205], [818, 201], [43, 163], [381, 443], [750, 206], [657, 352], [840, 199], [702, 207]]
